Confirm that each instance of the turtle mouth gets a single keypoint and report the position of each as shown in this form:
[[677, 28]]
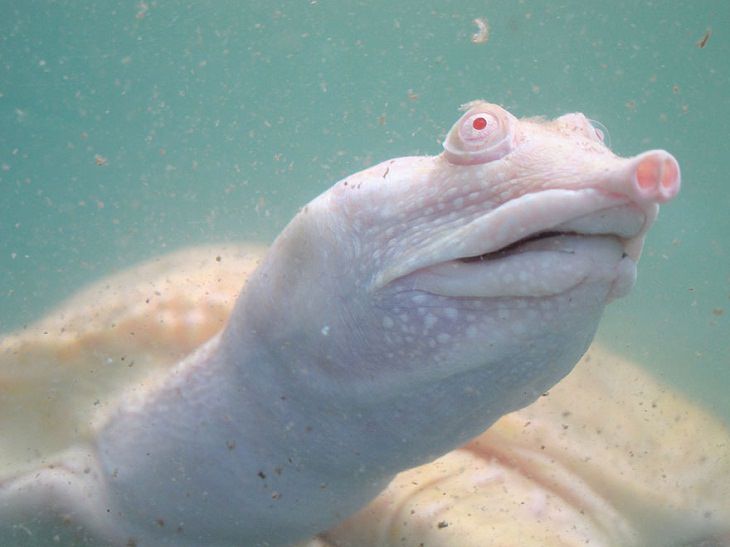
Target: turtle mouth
[[517, 246], [624, 221], [539, 265], [513, 247], [522, 223], [545, 244]]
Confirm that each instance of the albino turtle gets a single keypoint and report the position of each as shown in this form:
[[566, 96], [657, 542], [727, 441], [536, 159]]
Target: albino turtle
[[608, 455], [397, 316]]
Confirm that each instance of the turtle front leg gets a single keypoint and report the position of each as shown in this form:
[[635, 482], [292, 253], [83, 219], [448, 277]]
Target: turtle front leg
[[67, 497]]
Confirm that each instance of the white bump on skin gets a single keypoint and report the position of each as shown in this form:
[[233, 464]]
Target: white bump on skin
[[458, 203], [443, 338], [451, 313], [387, 322]]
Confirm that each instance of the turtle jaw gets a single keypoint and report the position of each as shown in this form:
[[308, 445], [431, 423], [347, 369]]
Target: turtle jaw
[[537, 245]]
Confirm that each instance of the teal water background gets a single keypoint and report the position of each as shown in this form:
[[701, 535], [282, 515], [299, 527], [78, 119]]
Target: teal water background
[[129, 129]]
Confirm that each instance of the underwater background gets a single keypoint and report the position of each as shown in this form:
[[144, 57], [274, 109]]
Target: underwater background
[[130, 129]]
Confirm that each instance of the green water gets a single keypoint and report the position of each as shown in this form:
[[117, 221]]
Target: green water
[[131, 129]]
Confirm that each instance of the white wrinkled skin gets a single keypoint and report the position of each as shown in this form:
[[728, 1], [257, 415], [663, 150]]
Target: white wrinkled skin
[[364, 344]]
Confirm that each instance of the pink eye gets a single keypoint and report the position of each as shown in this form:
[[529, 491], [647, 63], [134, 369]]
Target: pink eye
[[478, 127], [479, 123]]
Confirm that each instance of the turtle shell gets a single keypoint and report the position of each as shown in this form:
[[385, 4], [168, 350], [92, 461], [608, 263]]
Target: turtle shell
[[609, 456]]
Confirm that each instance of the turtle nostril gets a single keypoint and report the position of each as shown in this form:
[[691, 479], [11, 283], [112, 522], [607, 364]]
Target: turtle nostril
[[647, 173], [670, 174]]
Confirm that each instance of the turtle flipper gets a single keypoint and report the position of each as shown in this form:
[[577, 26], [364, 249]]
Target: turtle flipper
[[67, 500]]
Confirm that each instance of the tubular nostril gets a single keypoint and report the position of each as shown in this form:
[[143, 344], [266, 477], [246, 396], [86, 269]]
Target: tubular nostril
[[670, 174], [648, 173], [657, 176]]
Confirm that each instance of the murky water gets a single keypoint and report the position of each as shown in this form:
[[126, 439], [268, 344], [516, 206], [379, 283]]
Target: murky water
[[132, 129]]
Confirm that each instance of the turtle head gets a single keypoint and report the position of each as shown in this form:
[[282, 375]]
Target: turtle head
[[461, 286]]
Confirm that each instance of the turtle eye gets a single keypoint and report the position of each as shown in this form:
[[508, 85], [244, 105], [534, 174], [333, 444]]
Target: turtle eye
[[483, 134], [600, 132], [478, 127], [479, 122]]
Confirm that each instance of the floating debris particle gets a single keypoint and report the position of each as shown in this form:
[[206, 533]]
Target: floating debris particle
[[142, 9], [702, 42], [100, 160], [482, 34]]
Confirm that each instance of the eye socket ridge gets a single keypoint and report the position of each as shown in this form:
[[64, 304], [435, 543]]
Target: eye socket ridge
[[482, 134]]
